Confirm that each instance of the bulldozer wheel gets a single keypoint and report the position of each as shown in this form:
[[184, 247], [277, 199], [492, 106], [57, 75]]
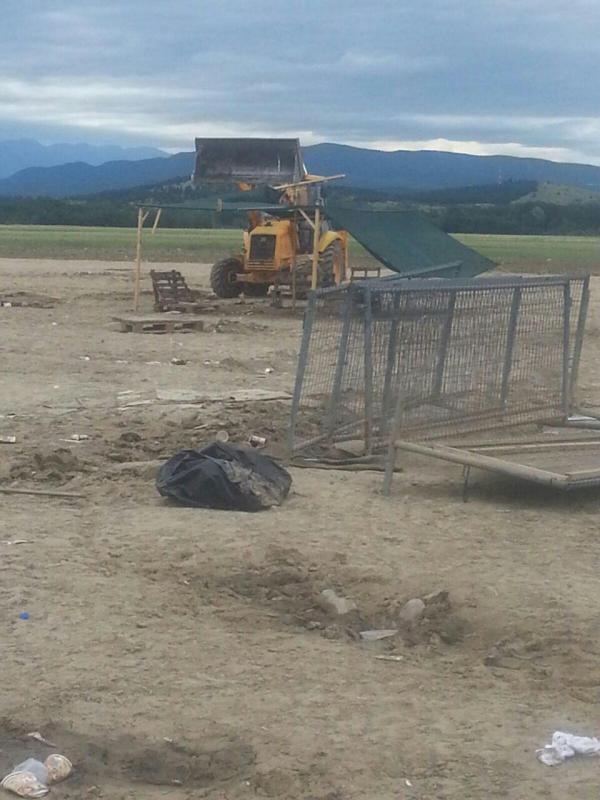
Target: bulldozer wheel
[[223, 279], [328, 258], [256, 289]]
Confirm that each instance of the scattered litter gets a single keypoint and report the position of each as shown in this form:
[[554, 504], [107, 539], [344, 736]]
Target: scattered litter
[[78, 437], [5, 304], [407, 783], [24, 615], [566, 745], [152, 363], [257, 441], [269, 370], [39, 738], [412, 610], [54, 324], [8, 439], [17, 541], [24, 784], [121, 361], [330, 601], [31, 778], [126, 391], [224, 476], [389, 658], [376, 635], [59, 768], [222, 436], [179, 361], [84, 358]]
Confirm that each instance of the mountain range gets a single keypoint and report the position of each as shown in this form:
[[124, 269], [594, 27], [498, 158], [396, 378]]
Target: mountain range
[[369, 169], [18, 154]]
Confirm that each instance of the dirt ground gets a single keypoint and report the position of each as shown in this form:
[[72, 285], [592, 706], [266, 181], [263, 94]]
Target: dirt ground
[[180, 653]]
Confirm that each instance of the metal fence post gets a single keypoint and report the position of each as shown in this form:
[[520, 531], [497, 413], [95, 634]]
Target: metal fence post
[[309, 317], [386, 410], [566, 394], [510, 344], [443, 351], [368, 367], [579, 333], [340, 363]]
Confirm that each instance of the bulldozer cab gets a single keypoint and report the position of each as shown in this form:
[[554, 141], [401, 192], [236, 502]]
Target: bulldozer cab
[[248, 161]]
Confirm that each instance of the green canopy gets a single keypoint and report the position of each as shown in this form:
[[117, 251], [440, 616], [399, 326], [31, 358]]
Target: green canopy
[[407, 242]]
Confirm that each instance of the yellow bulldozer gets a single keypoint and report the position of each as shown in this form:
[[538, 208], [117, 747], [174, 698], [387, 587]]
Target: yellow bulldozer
[[288, 241]]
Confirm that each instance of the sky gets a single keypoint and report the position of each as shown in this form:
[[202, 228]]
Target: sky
[[517, 77]]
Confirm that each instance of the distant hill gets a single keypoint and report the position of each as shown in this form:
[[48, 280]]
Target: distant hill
[[559, 195], [75, 179], [19, 154], [398, 171]]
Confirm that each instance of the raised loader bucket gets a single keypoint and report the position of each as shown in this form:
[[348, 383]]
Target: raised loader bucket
[[252, 161]]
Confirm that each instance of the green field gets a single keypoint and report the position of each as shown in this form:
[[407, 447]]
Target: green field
[[514, 253]]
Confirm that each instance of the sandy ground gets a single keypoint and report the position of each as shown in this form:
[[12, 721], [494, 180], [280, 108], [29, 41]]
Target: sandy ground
[[178, 653]]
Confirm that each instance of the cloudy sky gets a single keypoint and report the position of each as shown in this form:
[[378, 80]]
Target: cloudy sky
[[478, 76]]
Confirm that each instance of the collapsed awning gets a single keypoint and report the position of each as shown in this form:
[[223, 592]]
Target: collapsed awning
[[407, 242]]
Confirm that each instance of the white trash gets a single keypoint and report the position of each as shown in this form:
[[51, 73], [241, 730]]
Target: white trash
[[566, 745]]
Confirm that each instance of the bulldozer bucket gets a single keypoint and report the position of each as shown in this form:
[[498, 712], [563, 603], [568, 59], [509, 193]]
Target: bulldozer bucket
[[252, 161]]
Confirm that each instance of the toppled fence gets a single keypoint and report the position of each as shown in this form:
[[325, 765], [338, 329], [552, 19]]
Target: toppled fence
[[436, 358]]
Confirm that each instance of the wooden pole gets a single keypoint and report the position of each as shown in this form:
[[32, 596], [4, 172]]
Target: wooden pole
[[315, 256], [41, 493], [470, 459], [156, 220], [138, 261], [294, 256]]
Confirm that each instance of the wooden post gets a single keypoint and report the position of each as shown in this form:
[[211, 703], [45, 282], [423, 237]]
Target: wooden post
[[294, 254], [315, 256], [138, 261], [156, 220]]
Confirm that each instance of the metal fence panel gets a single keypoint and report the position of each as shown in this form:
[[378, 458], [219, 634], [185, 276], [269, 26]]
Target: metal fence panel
[[439, 357]]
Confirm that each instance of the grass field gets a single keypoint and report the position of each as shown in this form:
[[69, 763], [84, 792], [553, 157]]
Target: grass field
[[514, 253]]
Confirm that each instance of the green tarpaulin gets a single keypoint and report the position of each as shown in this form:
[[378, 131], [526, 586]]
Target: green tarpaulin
[[407, 242]]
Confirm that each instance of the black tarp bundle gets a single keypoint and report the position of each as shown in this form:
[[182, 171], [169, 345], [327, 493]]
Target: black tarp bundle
[[224, 476]]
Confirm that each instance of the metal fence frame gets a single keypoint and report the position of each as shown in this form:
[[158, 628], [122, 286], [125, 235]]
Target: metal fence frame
[[355, 319]]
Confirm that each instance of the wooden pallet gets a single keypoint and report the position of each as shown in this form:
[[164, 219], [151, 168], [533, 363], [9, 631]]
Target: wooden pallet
[[171, 291], [158, 323], [362, 273]]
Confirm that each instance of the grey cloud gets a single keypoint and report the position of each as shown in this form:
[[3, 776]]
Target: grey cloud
[[512, 73]]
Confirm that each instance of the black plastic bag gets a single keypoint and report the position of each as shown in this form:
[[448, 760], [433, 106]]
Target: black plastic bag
[[224, 476]]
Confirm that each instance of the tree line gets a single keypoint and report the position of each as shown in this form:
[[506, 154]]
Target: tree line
[[454, 210]]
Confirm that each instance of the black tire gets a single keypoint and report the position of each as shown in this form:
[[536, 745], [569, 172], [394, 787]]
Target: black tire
[[223, 279], [255, 289], [328, 258]]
